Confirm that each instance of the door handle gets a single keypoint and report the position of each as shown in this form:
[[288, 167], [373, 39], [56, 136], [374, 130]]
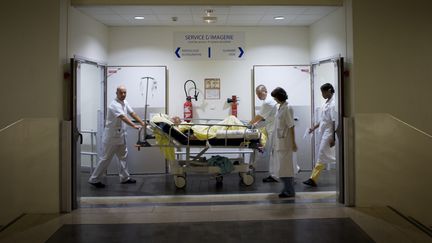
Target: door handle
[[80, 137]]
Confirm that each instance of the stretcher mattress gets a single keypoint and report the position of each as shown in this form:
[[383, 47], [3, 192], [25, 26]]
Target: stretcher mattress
[[223, 138]]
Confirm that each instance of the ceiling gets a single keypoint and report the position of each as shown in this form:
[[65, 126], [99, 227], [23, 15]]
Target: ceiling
[[193, 15]]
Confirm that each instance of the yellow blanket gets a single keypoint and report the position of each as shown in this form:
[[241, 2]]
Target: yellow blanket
[[201, 132]]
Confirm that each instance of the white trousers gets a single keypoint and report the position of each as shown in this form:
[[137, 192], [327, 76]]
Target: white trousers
[[120, 150]]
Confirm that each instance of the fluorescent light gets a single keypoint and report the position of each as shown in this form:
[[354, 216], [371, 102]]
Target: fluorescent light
[[279, 18], [139, 17]]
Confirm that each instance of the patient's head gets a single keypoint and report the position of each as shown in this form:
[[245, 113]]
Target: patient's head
[[176, 120]]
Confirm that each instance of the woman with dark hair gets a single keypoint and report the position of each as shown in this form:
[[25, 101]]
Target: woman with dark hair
[[283, 143], [325, 135]]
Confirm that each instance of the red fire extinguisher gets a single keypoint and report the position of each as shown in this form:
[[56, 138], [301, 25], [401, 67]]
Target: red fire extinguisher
[[187, 109], [233, 100], [187, 106]]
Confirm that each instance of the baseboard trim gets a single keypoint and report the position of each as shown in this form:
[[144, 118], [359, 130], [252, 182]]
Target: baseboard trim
[[414, 222]]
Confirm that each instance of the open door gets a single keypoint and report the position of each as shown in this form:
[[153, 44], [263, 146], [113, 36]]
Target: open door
[[330, 71], [88, 79], [296, 81]]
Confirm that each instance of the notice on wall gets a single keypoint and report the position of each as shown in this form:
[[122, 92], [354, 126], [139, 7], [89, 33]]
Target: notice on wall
[[212, 88], [209, 46]]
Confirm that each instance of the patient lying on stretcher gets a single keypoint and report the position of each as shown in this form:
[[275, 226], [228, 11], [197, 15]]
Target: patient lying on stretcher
[[230, 127]]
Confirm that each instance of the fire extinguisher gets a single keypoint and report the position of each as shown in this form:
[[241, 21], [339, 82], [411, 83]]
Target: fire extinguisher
[[234, 103], [187, 109], [187, 106]]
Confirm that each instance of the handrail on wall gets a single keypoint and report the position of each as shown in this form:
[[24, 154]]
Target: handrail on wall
[[410, 126], [11, 125]]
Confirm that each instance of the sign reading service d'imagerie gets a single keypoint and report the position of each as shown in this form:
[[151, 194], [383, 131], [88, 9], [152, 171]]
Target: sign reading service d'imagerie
[[209, 45]]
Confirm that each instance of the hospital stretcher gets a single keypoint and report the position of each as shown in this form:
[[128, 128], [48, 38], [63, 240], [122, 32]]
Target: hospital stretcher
[[190, 153]]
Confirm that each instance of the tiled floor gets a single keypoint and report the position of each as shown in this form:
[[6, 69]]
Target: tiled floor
[[198, 184], [381, 224]]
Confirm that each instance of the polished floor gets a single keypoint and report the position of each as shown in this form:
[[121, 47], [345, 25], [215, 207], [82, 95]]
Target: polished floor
[[328, 230], [233, 217], [153, 210], [199, 184]]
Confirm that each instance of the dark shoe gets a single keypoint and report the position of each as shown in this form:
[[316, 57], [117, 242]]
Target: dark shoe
[[97, 184], [310, 182], [129, 181], [286, 195], [269, 179]]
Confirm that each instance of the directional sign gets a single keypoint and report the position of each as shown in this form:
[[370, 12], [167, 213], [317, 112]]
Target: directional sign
[[209, 46]]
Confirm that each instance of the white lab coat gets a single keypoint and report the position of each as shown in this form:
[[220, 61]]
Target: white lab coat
[[114, 141], [115, 128], [281, 157], [326, 154], [268, 112]]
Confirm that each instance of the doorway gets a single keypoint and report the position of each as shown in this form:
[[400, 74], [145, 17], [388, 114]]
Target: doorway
[[330, 70], [88, 109], [302, 84]]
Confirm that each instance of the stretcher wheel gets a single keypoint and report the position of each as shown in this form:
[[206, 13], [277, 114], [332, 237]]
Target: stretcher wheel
[[179, 181], [248, 179]]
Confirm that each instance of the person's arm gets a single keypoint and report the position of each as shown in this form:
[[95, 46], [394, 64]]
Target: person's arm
[[256, 119], [126, 120], [314, 127], [294, 145], [333, 116], [137, 118], [333, 137]]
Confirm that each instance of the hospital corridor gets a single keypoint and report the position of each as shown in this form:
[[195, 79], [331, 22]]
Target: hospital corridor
[[203, 121]]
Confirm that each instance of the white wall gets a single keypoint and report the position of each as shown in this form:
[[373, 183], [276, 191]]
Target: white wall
[[29, 46], [87, 37], [393, 53], [392, 170], [29, 168], [263, 45], [328, 36]]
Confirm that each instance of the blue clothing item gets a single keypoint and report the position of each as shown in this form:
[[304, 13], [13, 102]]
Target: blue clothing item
[[223, 163]]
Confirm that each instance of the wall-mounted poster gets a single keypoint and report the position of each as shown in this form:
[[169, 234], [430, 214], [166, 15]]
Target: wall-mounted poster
[[212, 88]]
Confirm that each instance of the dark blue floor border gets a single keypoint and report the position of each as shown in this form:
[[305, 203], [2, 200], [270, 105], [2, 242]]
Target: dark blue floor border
[[262, 202]]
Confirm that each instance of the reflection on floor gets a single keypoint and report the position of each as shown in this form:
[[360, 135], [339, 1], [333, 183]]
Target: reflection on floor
[[334, 230], [206, 200], [233, 223], [198, 184]]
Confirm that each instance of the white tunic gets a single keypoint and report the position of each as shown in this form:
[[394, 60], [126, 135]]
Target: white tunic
[[281, 157], [326, 154], [268, 112], [115, 128]]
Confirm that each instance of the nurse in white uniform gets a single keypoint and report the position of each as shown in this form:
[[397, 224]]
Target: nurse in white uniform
[[325, 135], [114, 139], [266, 117], [283, 144]]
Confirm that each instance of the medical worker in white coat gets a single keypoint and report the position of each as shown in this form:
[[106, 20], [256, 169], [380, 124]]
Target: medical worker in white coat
[[114, 139], [266, 116], [326, 134], [283, 144]]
